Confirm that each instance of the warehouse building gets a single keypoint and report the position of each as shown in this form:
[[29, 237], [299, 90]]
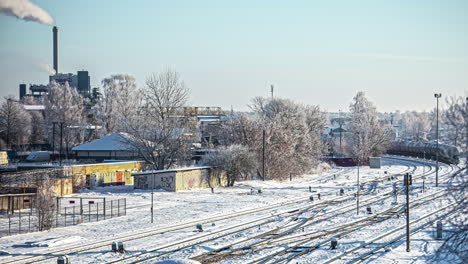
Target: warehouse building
[[177, 179]]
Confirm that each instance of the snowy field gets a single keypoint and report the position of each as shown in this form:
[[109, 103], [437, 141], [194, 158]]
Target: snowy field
[[225, 205]]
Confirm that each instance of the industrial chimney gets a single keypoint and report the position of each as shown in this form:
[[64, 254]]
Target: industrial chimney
[[55, 30]]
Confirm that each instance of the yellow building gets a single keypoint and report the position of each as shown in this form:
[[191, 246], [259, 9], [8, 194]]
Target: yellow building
[[3, 158], [104, 174]]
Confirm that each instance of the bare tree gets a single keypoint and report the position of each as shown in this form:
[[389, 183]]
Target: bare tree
[[38, 128], [367, 135], [119, 103], [454, 120], [292, 135], [15, 122], [64, 105], [45, 202], [160, 131], [236, 161], [415, 125]]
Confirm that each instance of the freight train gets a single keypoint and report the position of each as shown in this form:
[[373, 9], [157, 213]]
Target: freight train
[[447, 153]]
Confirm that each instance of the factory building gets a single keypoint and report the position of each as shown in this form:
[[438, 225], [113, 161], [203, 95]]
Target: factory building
[[80, 81]]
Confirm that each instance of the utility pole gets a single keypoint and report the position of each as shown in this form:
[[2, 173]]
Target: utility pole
[[358, 188], [424, 171], [437, 96], [407, 181], [53, 140], [341, 131], [152, 194], [263, 155], [61, 139]]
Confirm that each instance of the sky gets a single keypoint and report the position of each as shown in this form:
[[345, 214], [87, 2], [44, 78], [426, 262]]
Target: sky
[[315, 52]]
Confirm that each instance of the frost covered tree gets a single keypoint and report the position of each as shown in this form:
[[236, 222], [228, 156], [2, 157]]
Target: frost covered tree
[[38, 128], [64, 105], [15, 123], [159, 130], [45, 202], [119, 102], [38, 133], [367, 135], [236, 161], [454, 120], [292, 135], [415, 125]]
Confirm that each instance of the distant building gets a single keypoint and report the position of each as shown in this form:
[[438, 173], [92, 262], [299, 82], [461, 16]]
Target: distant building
[[80, 81]]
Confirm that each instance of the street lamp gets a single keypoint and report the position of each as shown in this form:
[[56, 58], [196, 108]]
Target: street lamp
[[358, 187], [466, 130], [437, 96]]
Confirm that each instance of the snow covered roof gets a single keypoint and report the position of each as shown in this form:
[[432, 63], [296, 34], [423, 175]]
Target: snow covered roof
[[170, 170], [114, 142]]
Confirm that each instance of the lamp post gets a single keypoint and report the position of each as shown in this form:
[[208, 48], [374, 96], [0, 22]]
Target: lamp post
[[341, 129], [358, 187], [61, 139], [466, 130], [53, 140], [437, 96], [263, 155]]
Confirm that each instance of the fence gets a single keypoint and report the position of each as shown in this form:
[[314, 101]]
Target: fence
[[91, 212], [27, 220]]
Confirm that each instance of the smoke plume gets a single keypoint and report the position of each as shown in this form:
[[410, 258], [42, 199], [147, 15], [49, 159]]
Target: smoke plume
[[44, 67], [26, 10]]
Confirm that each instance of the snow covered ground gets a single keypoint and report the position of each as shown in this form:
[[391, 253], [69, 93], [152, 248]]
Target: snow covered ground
[[195, 205]]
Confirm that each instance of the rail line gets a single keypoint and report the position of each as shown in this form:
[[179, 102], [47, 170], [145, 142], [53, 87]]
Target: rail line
[[146, 234], [390, 233], [303, 241], [224, 248]]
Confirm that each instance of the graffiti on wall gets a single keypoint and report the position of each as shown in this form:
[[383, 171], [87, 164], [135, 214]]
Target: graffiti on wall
[[167, 182]]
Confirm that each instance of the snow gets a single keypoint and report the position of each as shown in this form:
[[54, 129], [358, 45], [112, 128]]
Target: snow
[[113, 142], [177, 261], [192, 206], [34, 107], [170, 170]]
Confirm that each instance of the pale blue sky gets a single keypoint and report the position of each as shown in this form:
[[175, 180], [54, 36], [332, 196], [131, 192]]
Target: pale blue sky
[[316, 52]]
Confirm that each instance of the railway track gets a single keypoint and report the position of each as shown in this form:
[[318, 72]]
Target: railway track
[[305, 243], [399, 232], [183, 245], [190, 225]]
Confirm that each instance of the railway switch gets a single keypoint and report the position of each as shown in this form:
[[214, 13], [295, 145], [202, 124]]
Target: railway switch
[[63, 260], [333, 244], [369, 210], [199, 227]]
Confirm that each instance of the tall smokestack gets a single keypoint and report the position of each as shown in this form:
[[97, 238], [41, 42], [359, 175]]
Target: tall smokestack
[[55, 30]]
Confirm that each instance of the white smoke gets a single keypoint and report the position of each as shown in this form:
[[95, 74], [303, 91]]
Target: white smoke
[[44, 67], [26, 10]]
